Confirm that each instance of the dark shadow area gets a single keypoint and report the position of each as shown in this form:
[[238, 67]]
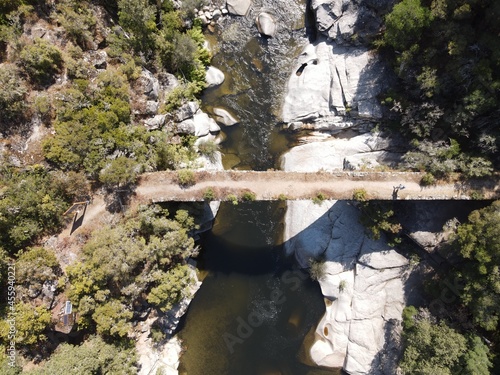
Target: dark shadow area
[[78, 220]]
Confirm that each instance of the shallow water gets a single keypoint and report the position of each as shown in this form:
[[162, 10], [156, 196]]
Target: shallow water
[[253, 309], [256, 70]]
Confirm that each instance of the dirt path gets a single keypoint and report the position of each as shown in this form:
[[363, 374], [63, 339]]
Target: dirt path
[[68, 244], [163, 186]]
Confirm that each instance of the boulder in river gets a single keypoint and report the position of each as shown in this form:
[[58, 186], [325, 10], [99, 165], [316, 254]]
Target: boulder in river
[[214, 76], [266, 24], [224, 117], [238, 7]]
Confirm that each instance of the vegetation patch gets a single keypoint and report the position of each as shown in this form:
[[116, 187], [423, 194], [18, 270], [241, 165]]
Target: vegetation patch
[[186, 177], [248, 196], [209, 194], [360, 195], [319, 198], [233, 199]]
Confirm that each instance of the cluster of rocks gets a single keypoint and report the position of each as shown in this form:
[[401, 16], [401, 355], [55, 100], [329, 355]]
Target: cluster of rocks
[[189, 119], [210, 14], [350, 22], [362, 285]]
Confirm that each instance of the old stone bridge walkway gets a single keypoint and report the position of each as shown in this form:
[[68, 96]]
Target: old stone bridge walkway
[[273, 185]]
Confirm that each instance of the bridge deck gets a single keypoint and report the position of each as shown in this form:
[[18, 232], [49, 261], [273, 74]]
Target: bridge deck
[[270, 185]]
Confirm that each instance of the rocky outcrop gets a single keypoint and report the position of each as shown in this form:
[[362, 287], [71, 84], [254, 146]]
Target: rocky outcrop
[[210, 14], [266, 24], [361, 152], [213, 76], [361, 283], [331, 81], [98, 59], [238, 7], [350, 22], [199, 125], [148, 85], [164, 356]]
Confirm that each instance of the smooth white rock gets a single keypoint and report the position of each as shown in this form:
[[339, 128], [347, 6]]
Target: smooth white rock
[[224, 117], [203, 124], [266, 24], [155, 122], [149, 84], [238, 7], [328, 79], [214, 76], [365, 150]]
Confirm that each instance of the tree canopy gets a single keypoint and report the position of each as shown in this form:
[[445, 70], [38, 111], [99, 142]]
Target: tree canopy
[[479, 244]]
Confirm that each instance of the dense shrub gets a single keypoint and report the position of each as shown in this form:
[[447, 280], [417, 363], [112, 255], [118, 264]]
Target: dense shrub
[[248, 196], [12, 96], [41, 61], [186, 177]]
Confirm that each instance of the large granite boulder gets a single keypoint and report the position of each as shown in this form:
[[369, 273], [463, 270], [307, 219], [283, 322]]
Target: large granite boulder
[[213, 76], [238, 7], [362, 283], [199, 125], [361, 152], [330, 81], [148, 85], [266, 24]]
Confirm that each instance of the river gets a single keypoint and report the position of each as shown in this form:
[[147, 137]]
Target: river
[[256, 70], [254, 308]]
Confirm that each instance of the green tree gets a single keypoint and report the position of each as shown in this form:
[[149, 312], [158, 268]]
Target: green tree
[[476, 360], [36, 267], [138, 19], [430, 348], [93, 356], [479, 244], [119, 172], [12, 96], [112, 319], [41, 61], [77, 20], [405, 24], [32, 204], [31, 325], [171, 287]]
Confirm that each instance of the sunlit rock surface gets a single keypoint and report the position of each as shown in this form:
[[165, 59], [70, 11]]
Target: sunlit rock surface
[[214, 76], [329, 81], [363, 151], [362, 285]]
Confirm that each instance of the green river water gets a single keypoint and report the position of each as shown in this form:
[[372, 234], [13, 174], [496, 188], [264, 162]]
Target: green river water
[[253, 309]]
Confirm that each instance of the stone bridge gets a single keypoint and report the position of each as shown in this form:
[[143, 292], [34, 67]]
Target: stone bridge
[[276, 185]]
